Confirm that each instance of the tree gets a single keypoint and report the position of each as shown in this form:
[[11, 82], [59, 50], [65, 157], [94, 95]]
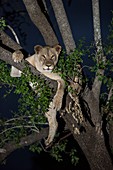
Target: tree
[[86, 115]]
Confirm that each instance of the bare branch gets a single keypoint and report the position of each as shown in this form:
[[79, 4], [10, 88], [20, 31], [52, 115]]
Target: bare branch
[[16, 38], [32, 127], [8, 41]]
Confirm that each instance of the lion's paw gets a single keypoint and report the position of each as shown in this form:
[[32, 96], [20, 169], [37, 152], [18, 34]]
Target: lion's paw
[[17, 56]]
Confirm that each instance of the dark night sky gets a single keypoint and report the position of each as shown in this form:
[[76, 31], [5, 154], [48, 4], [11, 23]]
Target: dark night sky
[[80, 18]]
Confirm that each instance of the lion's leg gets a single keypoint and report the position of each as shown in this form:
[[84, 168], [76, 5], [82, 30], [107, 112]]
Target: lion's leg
[[17, 57], [15, 72], [51, 116]]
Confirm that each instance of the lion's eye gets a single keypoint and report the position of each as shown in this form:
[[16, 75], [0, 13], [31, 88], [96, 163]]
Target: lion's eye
[[43, 57], [53, 57]]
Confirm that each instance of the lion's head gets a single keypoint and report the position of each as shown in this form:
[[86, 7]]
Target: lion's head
[[47, 57]]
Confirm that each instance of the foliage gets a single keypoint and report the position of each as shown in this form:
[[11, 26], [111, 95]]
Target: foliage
[[67, 65], [62, 148], [59, 151], [74, 159], [2, 23], [31, 108], [35, 148]]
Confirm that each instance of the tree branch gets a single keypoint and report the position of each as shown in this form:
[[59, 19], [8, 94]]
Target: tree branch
[[25, 141], [98, 43], [8, 41], [92, 97], [63, 24]]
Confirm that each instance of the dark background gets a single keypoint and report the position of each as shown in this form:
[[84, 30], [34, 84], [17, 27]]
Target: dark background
[[79, 13]]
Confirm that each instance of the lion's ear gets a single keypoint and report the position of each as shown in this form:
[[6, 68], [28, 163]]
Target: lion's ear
[[57, 48], [37, 49]]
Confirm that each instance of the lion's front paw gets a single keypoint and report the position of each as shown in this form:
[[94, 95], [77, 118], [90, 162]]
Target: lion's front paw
[[17, 56]]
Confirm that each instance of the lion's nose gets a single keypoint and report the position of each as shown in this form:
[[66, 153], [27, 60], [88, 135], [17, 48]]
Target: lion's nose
[[48, 65]]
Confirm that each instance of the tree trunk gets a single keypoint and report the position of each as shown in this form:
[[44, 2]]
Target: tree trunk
[[98, 43], [92, 145], [63, 24], [41, 22]]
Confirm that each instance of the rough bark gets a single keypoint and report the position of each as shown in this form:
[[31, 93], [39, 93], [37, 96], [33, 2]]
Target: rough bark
[[110, 118], [41, 22], [111, 135], [63, 24], [92, 145]]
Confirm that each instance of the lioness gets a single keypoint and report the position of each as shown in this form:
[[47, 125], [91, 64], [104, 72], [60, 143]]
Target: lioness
[[44, 60]]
